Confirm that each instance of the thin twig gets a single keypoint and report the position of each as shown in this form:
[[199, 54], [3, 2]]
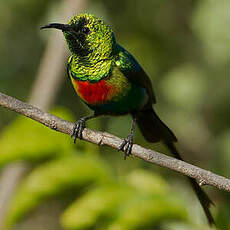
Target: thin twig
[[103, 138]]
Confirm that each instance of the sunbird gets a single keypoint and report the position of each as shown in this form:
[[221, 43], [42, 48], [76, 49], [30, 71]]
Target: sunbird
[[111, 82]]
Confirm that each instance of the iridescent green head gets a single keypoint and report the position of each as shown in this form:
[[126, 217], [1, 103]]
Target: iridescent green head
[[87, 37]]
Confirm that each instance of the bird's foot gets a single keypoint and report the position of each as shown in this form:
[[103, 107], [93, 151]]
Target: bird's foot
[[126, 146], [78, 129]]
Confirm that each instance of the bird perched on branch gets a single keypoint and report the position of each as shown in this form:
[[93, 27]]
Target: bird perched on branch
[[111, 82]]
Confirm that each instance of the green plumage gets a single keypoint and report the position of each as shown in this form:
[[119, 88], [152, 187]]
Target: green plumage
[[110, 81], [126, 93]]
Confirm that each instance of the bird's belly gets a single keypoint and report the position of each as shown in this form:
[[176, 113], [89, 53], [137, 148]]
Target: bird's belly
[[105, 98], [133, 101]]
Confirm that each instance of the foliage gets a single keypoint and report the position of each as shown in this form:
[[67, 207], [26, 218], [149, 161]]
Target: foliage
[[31, 141], [184, 48], [140, 199]]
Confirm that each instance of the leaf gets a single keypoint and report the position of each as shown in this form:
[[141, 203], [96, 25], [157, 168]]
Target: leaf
[[25, 139], [147, 182], [56, 178], [147, 212], [96, 207], [136, 204], [153, 203]]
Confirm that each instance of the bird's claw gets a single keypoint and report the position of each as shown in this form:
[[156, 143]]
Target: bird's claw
[[126, 146], [78, 129]]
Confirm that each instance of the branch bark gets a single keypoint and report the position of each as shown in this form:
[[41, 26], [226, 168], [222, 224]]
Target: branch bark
[[102, 138]]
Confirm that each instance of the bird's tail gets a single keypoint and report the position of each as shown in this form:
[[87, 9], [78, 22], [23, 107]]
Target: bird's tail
[[154, 130]]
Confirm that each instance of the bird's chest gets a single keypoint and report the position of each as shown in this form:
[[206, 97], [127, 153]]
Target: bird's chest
[[94, 93]]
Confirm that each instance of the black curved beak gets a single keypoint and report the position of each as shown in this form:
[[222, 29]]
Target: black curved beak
[[59, 26]]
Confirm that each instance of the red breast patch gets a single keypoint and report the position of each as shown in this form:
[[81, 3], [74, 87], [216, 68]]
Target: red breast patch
[[94, 93]]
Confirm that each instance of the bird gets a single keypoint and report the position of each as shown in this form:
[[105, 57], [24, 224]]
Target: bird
[[110, 81]]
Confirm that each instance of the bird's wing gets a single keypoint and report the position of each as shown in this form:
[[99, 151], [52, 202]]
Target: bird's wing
[[133, 71]]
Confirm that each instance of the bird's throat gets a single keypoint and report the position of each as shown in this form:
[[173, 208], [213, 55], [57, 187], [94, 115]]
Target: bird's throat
[[82, 70]]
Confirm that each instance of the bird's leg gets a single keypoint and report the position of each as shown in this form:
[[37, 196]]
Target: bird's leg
[[127, 143], [79, 127]]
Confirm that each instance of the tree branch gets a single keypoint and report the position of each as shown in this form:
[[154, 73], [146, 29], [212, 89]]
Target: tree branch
[[102, 138]]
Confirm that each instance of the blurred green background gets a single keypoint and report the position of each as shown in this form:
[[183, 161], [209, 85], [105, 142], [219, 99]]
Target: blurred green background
[[184, 46]]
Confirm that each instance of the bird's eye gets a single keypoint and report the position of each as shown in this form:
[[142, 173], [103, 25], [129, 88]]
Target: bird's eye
[[85, 30]]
